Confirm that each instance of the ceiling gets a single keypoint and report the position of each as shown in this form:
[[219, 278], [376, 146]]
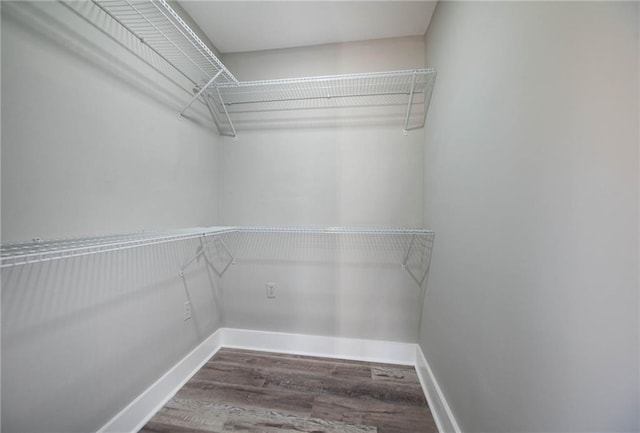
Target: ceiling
[[239, 26]]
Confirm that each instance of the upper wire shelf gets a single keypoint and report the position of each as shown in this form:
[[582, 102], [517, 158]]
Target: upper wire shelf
[[329, 88], [158, 25], [46, 250], [397, 96]]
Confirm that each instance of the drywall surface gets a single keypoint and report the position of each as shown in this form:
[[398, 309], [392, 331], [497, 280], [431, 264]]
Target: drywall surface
[[531, 185], [392, 54], [91, 139], [344, 285], [333, 176], [351, 176], [347, 176], [83, 337], [91, 144]]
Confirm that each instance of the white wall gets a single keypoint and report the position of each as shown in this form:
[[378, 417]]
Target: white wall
[[91, 144], [324, 176], [531, 185], [89, 132], [378, 55]]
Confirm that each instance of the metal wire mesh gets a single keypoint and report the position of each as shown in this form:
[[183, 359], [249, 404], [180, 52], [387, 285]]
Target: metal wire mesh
[[39, 251], [405, 248], [409, 248], [348, 99], [157, 25], [353, 99], [330, 89]]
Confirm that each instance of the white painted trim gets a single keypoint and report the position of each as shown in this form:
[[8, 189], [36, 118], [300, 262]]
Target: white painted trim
[[440, 409], [314, 345], [133, 417]]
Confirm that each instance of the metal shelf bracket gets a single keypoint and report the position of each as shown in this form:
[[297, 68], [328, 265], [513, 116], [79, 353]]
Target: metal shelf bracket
[[219, 244], [200, 92], [413, 88]]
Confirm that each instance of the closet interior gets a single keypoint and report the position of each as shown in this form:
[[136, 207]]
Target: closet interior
[[187, 182], [319, 279]]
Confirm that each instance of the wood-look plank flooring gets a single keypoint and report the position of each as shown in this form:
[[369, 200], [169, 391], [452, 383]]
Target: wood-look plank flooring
[[260, 392]]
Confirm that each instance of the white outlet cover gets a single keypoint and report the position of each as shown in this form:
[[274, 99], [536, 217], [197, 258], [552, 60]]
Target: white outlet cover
[[187, 310], [271, 290]]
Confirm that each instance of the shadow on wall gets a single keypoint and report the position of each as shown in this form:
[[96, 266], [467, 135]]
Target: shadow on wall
[[81, 337]]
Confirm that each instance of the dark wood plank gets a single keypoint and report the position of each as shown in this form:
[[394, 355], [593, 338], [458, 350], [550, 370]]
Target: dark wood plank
[[395, 375], [213, 417], [295, 403], [229, 373], [367, 389], [387, 417], [290, 363], [171, 427], [236, 353]]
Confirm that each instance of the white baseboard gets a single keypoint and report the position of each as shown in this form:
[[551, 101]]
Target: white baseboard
[[328, 347], [133, 417], [440, 409]]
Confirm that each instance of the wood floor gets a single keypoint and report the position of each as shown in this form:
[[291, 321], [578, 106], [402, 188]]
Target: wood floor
[[259, 392]]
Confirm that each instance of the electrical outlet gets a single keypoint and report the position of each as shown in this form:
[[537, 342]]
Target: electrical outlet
[[271, 290], [187, 310]]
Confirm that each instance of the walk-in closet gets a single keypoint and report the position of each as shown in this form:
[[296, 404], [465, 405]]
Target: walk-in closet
[[320, 216]]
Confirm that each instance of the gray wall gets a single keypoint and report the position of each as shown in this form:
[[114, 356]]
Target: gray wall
[[91, 144], [531, 185], [301, 175]]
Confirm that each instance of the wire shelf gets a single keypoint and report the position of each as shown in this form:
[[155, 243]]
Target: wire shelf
[[370, 230], [395, 96], [329, 89], [408, 247], [40, 251], [398, 96], [159, 27]]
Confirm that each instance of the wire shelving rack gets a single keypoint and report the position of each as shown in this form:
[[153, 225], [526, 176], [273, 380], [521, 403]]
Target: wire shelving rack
[[411, 246], [156, 24], [402, 95], [37, 250], [403, 90]]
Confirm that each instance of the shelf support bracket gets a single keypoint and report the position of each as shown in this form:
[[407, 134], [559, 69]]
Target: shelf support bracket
[[197, 95], [406, 256], [413, 88], [202, 252], [425, 259], [224, 107]]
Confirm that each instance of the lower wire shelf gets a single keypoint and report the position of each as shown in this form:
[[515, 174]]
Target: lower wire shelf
[[410, 248]]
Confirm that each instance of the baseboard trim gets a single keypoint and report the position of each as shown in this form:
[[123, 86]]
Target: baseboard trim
[[133, 417], [315, 345], [440, 409]]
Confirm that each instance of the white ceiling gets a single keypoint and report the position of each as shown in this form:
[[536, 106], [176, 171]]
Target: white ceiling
[[238, 26]]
